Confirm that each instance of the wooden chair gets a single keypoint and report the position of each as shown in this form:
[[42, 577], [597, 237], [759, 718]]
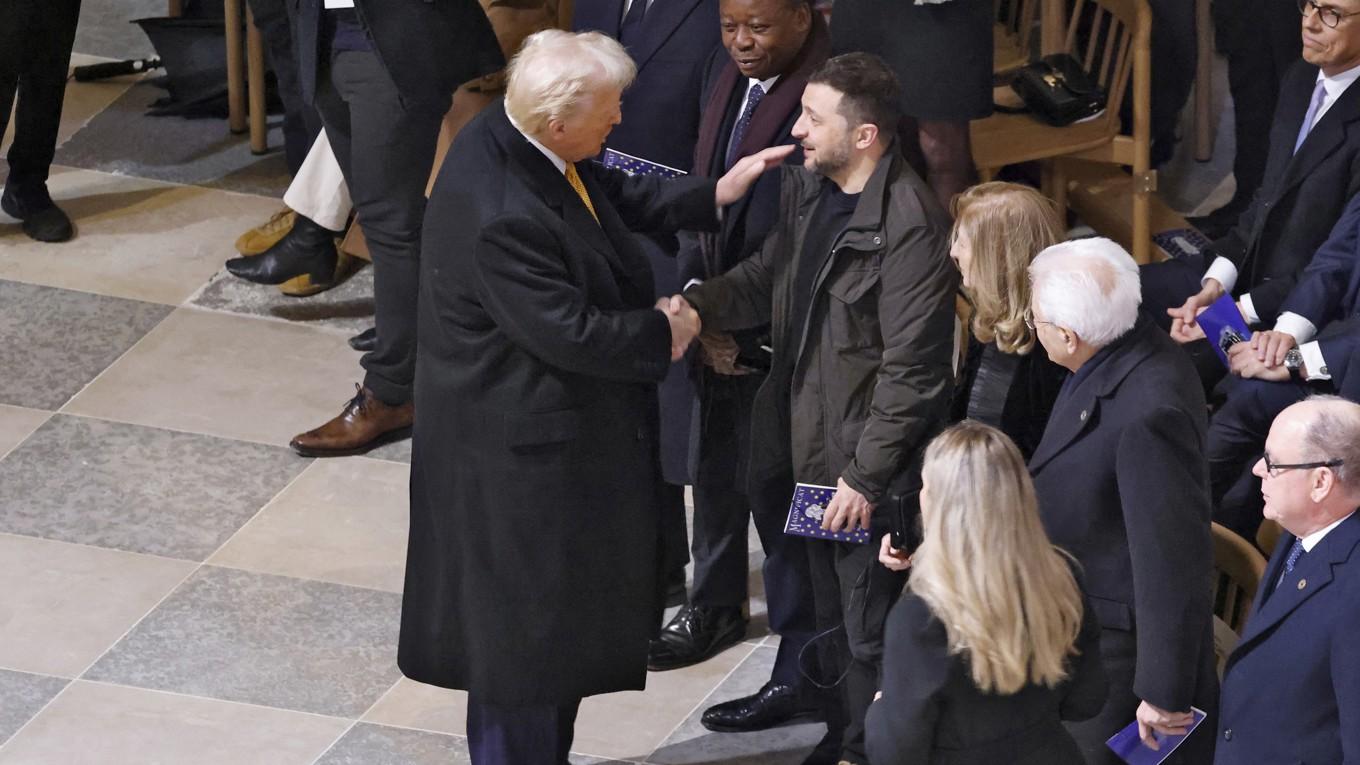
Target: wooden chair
[[1015, 20], [1238, 568], [1267, 535], [1117, 52]]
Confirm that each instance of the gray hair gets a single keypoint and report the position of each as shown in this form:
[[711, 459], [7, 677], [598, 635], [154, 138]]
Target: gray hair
[[1089, 286], [554, 70], [1333, 433]]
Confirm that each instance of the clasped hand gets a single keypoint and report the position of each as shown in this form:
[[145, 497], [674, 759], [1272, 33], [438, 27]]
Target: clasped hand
[[684, 321], [847, 510]]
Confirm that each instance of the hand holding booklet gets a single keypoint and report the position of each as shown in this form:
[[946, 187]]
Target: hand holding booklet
[[807, 510], [1223, 326], [1132, 750]]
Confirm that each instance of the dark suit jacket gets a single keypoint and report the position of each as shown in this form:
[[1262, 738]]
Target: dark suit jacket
[[1291, 688], [536, 440], [428, 48], [1123, 485], [931, 712], [1329, 288], [1301, 196]]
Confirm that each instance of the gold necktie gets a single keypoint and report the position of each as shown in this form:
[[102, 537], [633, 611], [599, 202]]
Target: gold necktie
[[574, 179]]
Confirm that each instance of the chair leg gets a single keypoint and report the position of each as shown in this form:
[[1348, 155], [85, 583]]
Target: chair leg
[[255, 88], [1057, 179], [1142, 233], [1204, 73], [986, 174], [236, 81]]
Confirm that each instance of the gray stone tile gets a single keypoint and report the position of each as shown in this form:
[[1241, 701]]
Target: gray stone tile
[[692, 743], [198, 152], [397, 451], [261, 639], [105, 27], [53, 341], [368, 744], [129, 487], [21, 696], [347, 307]]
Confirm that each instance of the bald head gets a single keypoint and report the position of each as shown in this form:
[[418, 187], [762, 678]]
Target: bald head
[[1322, 432]]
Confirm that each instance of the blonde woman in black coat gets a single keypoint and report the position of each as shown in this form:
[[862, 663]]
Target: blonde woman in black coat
[[993, 644]]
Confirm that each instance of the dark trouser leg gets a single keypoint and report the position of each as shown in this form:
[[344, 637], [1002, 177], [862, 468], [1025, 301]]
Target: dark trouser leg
[[853, 588], [788, 580], [1117, 651], [275, 20], [948, 151], [1173, 65], [385, 151], [719, 547], [674, 536], [1236, 438], [35, 54], [519, 735]]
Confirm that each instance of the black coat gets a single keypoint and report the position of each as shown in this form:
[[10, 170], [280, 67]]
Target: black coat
[[428, 48], [1011, 392], [1123, 486], [1291, 687], [932, 713], [1301, 197], [531, 569]]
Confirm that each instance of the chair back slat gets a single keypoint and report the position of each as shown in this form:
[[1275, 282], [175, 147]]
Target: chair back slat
[[1238, 569], [1104, 77], [1123, 73], [1073, 22], [1098, 18]]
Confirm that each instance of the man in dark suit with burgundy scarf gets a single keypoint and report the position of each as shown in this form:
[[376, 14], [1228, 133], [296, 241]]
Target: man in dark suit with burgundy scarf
[[751, 98]]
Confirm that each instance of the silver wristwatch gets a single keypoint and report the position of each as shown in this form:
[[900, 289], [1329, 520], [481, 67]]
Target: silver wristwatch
[[1293, 361]]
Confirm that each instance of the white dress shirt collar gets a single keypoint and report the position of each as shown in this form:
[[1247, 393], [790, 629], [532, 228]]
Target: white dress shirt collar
[[1311, 541], [558, 162], [1334, 86]]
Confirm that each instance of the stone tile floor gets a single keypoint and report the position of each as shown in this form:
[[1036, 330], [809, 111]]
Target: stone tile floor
[[178, 586]]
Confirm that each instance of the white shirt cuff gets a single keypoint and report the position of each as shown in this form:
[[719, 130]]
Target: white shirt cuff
[[1293, 324], [1313, 362], [1249, 310], [1224, 271], [691, 283]]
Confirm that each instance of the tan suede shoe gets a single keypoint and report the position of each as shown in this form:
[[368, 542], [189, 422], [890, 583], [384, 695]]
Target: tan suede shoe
[[267, 234], [365, 423], [305, 286]]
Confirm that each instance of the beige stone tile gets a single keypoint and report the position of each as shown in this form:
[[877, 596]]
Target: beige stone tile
[[83, 100], [93, 723], [342, 520], [64, 605], [135, 238], [628, 725], [18, 423], [225, 375]]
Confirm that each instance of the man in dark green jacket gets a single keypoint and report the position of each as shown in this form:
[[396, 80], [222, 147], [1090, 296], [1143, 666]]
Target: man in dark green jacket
[[856, 282]]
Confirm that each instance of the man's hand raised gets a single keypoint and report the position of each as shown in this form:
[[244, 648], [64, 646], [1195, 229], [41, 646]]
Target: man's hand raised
[[738, 180]]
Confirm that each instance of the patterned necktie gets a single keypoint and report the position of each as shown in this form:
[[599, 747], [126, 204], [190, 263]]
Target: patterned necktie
[[1319, 94], [1295, 553], [632, 22], [744, 122], [574, 179]]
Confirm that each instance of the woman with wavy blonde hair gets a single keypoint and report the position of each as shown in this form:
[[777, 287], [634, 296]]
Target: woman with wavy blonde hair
[[998, 229], [993, 644]]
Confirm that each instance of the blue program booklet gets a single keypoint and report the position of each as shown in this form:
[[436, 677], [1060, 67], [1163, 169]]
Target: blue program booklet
[[1223, 326], [638, 166], [1132, 750], [807, 510]]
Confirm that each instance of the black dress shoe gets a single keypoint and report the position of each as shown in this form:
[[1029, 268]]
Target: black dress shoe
[[695, 634], [307, 249], [774, 704], [365, 341], [41, 218]]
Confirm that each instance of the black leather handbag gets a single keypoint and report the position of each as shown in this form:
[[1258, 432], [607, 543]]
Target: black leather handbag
[[1058, 91]]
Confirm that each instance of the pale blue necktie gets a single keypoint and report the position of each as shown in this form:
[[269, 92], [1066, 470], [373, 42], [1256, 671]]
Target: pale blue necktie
[[1319, 94]]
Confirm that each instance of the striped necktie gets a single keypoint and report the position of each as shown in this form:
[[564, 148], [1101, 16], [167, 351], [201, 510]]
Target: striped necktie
[[574, 179]]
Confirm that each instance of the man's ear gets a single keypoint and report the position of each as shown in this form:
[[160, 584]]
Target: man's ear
[[865, 135]]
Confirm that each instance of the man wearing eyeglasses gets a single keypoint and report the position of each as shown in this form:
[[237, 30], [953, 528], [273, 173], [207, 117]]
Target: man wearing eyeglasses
[[1291, 688], [1312, 169]]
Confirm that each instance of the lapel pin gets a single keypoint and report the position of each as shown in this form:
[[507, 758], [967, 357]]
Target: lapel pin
[[1303, 583]]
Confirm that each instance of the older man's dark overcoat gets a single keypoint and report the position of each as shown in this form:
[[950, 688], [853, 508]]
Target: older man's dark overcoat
[[531, 570]]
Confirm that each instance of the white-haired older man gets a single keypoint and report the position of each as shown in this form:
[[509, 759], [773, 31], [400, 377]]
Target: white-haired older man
[[1123, 486], [531, 576]]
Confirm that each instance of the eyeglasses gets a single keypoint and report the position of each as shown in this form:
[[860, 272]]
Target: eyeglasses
[[1275, 469], [1329, 15], [1034, 323]]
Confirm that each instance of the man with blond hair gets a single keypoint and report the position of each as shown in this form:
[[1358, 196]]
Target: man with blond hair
[[532, 569], [1123, 486]]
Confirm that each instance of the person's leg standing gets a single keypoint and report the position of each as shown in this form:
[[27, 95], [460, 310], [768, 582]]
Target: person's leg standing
[[788, 580], [868, 591], [519, 735], [386, 149], [275, 20]]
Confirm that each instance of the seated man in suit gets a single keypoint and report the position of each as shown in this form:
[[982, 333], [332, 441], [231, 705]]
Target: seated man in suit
[[856, 284], [752, 89], [1123, 487], [1312, 169], [1291, 687], [532, 568], [1277, 369]]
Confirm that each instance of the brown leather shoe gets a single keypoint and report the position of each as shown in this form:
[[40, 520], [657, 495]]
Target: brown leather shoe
[[366, 423]]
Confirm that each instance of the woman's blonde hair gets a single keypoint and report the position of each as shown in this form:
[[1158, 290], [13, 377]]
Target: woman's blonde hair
[[1007, 225], [1006, 596]]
